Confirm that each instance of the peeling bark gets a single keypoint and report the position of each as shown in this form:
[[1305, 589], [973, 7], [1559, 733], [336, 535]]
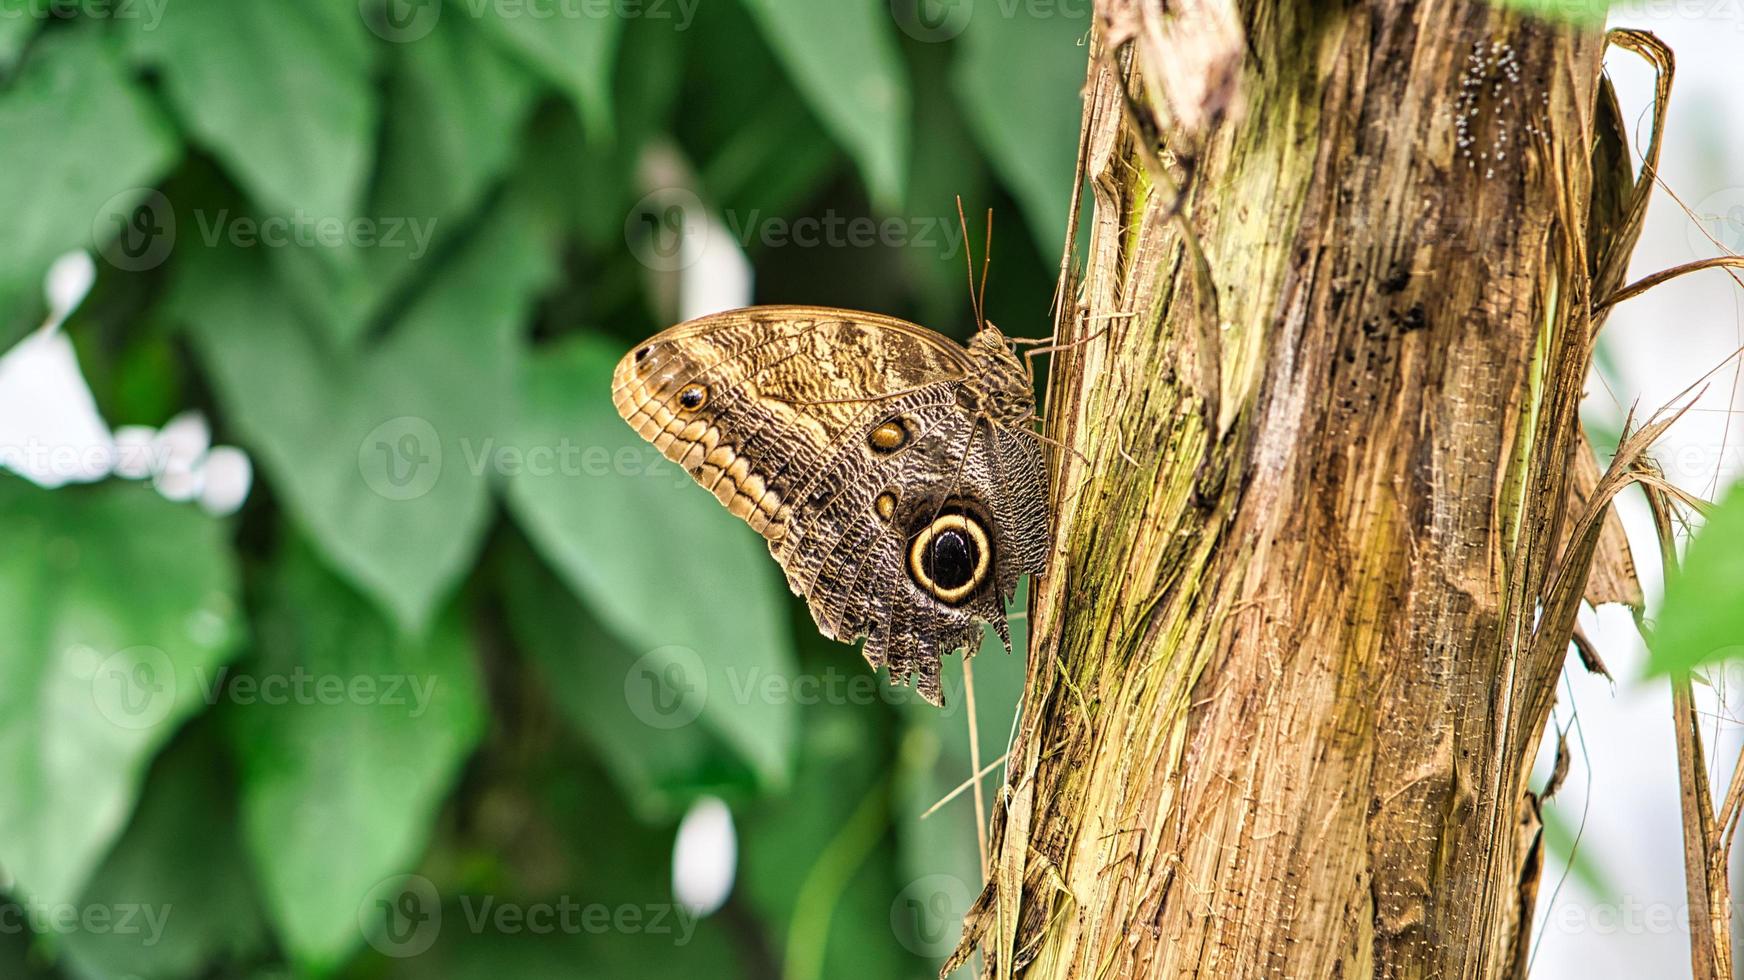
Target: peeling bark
[[1304, 619]]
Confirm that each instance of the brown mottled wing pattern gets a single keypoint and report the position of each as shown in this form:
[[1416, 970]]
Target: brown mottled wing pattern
[[775, 410]]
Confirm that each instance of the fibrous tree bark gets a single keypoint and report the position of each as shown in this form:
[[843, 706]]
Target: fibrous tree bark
[[1326, 516]]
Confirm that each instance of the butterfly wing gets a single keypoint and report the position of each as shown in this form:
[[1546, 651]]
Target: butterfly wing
[[841, 438], [867, 562]]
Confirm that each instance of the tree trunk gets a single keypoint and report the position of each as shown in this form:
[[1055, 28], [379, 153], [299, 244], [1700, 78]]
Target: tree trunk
[[1319, 539]]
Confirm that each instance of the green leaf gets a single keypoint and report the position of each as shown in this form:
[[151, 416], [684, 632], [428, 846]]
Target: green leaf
[[844, 59], [457, 104], [455, 107], [1702, 618], [946, 165], [280, 93], [82, 141], [652, 62], [1561, 839], [22, 959], [571, 45], [576, 846], [376, 453], [689, 588], [759, 149], [1590, 12], [586, 670], [818, 864], [584, 186], [348, 735], [178, 875], [15, 33], [1027, 121], [587, 185], [113, 601]]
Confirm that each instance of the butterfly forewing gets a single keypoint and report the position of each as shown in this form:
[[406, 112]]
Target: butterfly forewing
[[849, 442]]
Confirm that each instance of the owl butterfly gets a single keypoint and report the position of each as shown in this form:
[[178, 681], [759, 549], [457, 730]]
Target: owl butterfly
[[890, 469]]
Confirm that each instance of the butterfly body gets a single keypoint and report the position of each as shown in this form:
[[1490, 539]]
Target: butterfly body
[[890, 470]]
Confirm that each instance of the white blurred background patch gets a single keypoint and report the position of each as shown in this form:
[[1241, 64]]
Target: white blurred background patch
[[1625, 912], [705, 857], [52, 434]]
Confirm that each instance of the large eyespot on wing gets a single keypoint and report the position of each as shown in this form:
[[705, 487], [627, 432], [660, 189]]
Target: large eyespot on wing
[[950, 556]]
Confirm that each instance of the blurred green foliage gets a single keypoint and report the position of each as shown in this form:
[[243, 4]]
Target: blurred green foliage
[[1701, 622], [1588, 12], [468, 628]]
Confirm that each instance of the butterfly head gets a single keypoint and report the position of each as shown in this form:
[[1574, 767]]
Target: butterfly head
[[993, 349], [1001, 386]]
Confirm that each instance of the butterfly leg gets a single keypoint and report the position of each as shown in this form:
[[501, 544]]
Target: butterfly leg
[[1049, 347], [1044, 440]]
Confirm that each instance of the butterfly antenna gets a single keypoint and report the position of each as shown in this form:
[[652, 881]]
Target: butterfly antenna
[[986, 260], [974, 300]]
